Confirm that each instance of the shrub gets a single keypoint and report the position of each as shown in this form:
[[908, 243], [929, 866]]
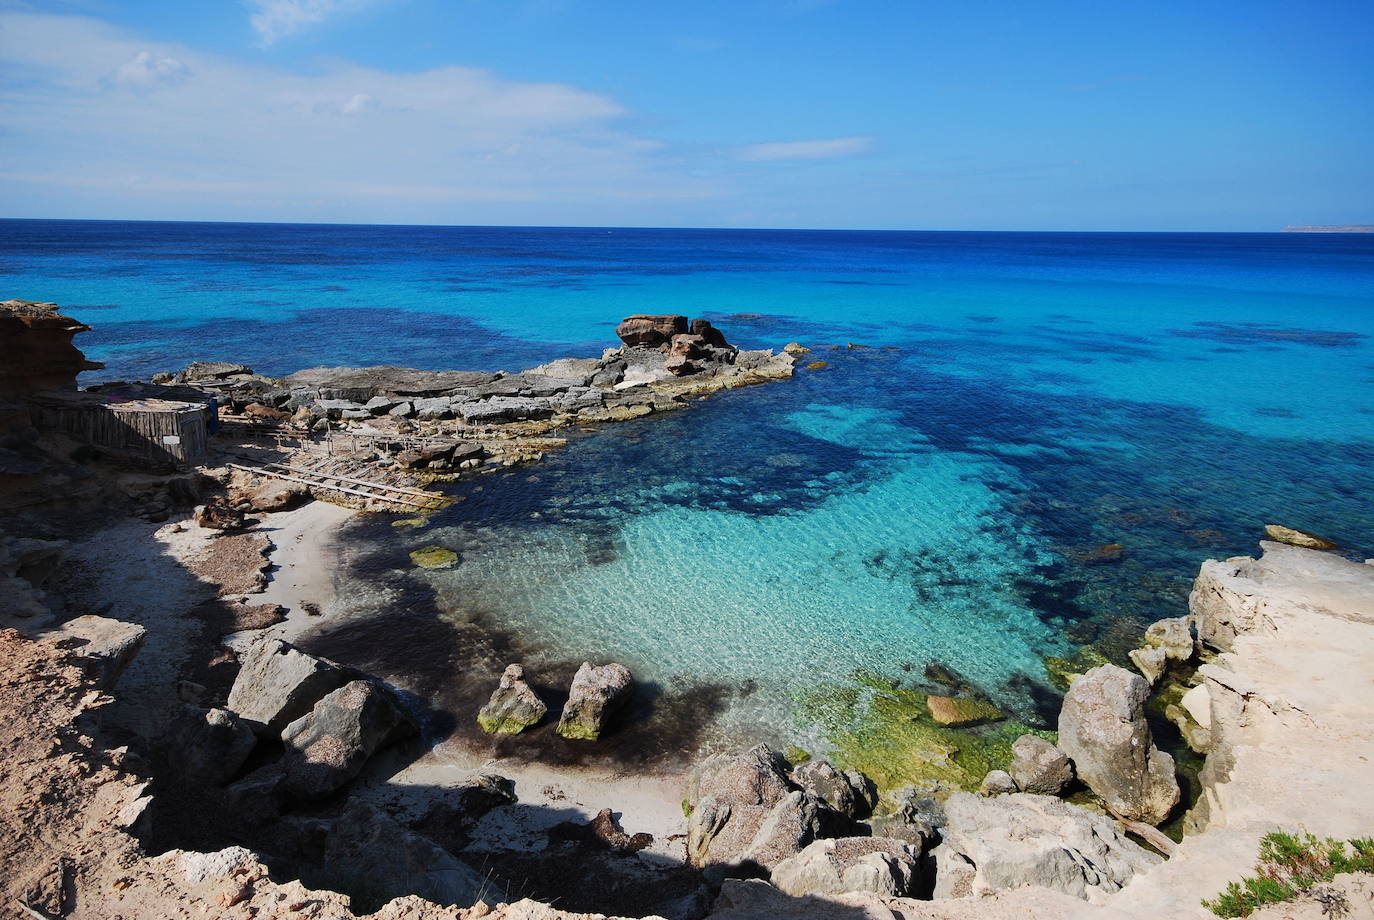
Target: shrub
[[1291, 865]]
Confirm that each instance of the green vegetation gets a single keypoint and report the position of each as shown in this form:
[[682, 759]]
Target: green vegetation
[[1290, 865], [1062, 671], [795, 755], [887, 732], [686, 809]]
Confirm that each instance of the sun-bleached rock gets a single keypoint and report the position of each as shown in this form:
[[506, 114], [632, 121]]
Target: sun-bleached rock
[[1038, 766], [837, 865]]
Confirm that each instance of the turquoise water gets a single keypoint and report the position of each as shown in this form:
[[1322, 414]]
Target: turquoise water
[[935, 497]]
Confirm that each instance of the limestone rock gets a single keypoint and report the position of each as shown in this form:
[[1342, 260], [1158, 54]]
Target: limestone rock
[[947, 710], [209, 746], [278, 683], [793, 823], [1103, 730], [597, 692], [916, 820], [883, 866], [1281, 534], [1023, 839], [997, 782], [329, 745], [513, 707], [1038, 766], [278, 495], [1174, 636], [731, 795], [1151, 662], [796, 348], [650, 331], [850, 793], [1197, 702], [102, 646]]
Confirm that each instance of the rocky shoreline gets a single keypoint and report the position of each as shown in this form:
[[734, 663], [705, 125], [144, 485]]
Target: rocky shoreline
[[172, 752]]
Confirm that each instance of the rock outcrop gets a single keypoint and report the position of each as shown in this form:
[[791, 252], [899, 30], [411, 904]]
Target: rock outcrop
[[596, 694], [104, 647], [850, 792], [650, 331], [1103, 730], [36, 350], [1022, 839], [1281, 534], [513, 707]]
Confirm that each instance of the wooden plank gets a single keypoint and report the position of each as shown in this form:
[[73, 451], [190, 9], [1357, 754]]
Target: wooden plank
[[437, 502], [366, 482]]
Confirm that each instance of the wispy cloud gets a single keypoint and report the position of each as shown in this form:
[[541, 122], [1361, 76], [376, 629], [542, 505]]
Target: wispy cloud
[[806, 150], [162, 127], [274, 20]]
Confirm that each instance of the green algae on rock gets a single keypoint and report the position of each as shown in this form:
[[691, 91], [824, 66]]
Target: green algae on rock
[[1062, 671], [887, 732], [955, 713], [434, 557]]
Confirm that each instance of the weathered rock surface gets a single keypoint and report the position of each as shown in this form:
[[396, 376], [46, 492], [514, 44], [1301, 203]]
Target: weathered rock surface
[[596, 693], [329, 745], [794, 822], [1023, 839], [1039, 767], [1103, 730], [882, 866], [207, 747], [1150, 662], [278, 683], [1281, 534], [513, 707], [102, 646], [850, 792], [730, 796], [650, 331], [917, 819], [277, 495], [997, 782], [36, 350], [220, 515], [1174, 636]]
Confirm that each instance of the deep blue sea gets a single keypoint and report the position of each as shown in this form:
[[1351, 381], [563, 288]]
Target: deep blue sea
[[935, 497]]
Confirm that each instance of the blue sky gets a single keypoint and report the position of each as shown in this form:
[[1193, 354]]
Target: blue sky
[[1220, 115]]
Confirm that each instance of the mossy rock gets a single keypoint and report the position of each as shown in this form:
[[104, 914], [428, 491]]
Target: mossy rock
[[957, 713], [575, 730], [434, 557], [415, 522], [795, 755], [503, 725], [887, 732], [1062, 671]]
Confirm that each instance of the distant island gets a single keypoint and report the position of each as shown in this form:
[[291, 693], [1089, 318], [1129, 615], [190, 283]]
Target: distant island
[[1347, 228]]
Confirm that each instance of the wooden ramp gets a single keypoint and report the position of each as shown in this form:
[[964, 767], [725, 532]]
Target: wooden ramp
[[357, 480]]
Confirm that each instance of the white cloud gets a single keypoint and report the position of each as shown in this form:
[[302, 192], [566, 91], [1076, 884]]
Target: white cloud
[[275, 19], [806, 150], [232, 140], [146, 71]]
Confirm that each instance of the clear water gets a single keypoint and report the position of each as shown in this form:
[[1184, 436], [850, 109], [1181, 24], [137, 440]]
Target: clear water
[[934, 497]]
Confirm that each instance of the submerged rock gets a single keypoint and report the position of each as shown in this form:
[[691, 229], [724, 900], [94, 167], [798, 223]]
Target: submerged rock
[[1038, 766], [1014, 840], [1103, 730], [434, 557], [947, 710], [1293, 537], [834, 866], [513, 707], [597, 692]]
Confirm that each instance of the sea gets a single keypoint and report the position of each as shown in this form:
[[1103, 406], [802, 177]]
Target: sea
[[1002, 448]]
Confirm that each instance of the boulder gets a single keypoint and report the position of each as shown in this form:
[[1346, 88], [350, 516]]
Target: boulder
[[208, 746], [513, 706], [883, 866], [1038, 766], [650, 331], [1103, 730], [1281, 534], [278, 495], [220, 515], [954, 712], [374, 859], [1152, 662], [850, 793], [916, 820], [278, 683], [730, 795], [795, 349], [709, 334], [997, 782], [1022, 839], [688, 346], [789, 826], [1174, 636], [596, 693], [328, 746], [101, 646]]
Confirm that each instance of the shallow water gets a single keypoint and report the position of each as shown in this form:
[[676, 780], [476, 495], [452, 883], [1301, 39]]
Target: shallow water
[[936, 497]]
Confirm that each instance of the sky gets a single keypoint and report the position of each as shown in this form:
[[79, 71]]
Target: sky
[[902, 114]]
